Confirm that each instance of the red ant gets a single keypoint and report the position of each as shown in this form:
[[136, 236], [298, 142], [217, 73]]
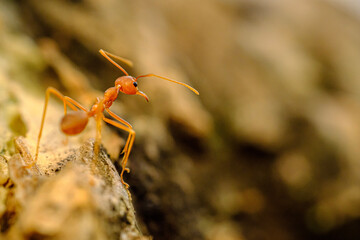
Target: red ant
[[75, 121]]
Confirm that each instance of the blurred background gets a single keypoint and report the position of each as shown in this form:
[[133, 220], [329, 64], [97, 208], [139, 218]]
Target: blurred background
[[269, 150]]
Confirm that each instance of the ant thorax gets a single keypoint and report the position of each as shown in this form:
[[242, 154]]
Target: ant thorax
[[110, 96]]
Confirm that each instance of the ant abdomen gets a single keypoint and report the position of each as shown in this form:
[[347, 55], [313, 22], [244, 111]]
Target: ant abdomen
[[74, 122]]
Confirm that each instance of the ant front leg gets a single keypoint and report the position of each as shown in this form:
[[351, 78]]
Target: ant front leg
[[123, 122], [67, 101], [129, 142]]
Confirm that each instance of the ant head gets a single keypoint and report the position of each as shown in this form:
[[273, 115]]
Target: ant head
[[128, 85]]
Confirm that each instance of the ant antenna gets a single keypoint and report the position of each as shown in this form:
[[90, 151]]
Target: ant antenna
[[170, 80], [108, 56]]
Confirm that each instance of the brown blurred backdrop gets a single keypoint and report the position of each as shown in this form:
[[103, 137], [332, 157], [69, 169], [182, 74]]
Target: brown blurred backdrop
[[269, 150]]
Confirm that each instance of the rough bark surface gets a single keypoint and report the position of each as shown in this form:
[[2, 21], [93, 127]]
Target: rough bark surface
[[75, 197]]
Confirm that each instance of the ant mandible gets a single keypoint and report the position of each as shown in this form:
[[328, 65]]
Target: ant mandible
[[74, 122]]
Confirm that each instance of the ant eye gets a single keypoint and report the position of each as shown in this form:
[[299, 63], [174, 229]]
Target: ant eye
[[135, 84]]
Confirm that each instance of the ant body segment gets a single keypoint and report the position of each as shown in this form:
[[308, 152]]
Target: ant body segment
[[74, 122]]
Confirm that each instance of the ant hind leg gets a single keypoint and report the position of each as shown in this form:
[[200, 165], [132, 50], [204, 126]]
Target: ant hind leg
[[67, 101]]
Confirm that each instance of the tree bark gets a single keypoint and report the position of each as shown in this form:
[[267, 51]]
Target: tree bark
[[77, 197]]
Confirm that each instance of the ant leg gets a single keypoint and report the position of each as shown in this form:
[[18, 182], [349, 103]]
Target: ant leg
[[67, 101], [97, 143], [131, 139], [123, 122], [72, 101], [118, 118]]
